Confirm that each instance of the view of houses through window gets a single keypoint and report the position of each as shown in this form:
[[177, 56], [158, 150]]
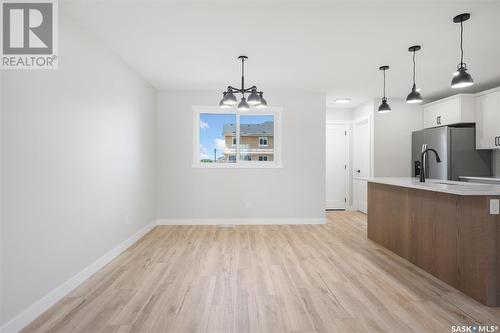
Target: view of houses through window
[[219, 141], [256, 138]]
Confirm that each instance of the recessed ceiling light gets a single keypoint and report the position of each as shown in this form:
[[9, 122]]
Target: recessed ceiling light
[[342, 100]]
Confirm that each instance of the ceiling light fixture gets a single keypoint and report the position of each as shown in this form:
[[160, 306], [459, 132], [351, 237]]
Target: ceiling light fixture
[[461, 78], [222, 105], [384, 107], [342, 100], [414, 96], [255, 97]]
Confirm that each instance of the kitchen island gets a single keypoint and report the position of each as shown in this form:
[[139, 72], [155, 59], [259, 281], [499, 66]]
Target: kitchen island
[[443, 227]]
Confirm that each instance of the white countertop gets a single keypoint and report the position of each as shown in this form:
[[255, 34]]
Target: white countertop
[[444, 186], [493, 179]]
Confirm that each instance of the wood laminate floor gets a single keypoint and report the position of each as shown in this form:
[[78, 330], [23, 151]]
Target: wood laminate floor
[[314, 278]]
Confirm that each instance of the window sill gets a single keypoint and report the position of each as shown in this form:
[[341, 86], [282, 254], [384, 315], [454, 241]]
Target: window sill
[[240, 165]]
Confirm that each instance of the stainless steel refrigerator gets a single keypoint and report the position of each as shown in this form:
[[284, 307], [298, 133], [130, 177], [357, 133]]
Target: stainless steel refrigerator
[[457, 149]]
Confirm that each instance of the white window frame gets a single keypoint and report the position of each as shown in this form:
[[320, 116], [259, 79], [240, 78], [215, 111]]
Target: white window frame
[[240, 164]]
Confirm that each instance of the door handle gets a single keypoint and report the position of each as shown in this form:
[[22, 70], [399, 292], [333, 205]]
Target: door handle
[[358, 171]]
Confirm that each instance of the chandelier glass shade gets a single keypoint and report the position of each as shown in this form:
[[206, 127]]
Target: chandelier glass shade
[[255, 97]]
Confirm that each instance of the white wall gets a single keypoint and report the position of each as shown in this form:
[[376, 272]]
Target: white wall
[[364, 110], [78, 156], [295, 191], [338, 114], [392, 138]]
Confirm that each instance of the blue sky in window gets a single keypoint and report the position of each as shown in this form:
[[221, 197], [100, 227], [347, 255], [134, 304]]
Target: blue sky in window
[[211, 127]]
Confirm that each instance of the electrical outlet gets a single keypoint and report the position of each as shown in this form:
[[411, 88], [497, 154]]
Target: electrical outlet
[[494, 206]]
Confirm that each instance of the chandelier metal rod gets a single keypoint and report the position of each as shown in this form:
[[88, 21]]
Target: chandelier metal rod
[[238, 90], [243, 74], [242, 90]]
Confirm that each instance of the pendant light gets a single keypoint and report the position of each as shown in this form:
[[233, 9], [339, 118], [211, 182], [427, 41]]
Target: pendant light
[[255, 97], [228, 98], [263, 102], [414, 96], [384, 107], [222, 105], [243, 105], [461, 78]]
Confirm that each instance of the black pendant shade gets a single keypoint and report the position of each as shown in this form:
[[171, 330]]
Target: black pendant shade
[[384, 107], [263, 102], [461, 78], [414, 96]]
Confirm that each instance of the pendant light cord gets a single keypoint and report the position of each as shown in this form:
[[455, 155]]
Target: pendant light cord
[[413, 67], [384, 83], [461, 43]]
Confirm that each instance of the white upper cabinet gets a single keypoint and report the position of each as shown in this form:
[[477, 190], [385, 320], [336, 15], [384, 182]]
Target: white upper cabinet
[[487, 108], [448, 111]]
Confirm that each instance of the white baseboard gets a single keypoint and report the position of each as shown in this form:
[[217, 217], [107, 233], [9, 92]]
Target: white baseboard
[[241, 221], [32, 312]]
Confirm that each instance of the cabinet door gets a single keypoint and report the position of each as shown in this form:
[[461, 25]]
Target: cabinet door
[[448, 112], [443, 113], [487, 120], [430, 116]]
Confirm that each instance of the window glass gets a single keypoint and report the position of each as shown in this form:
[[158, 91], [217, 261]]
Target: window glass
[[217, 134], [257, 138]]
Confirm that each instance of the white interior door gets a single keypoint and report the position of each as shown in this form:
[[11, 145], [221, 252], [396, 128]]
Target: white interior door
[[336, 166], [361, 164]]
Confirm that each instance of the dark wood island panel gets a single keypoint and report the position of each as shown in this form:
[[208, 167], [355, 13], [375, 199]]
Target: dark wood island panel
[[453, 237]]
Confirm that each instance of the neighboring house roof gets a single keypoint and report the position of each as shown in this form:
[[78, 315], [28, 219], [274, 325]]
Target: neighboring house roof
[[262, 129]]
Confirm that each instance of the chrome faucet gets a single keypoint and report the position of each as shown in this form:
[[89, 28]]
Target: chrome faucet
[[422, 160]]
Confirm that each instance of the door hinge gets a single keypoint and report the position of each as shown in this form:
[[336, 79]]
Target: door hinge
[[345, 166], [345, 199], [345, 133]]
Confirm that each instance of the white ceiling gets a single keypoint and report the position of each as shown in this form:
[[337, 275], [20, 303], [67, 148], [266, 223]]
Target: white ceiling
[[326, 46]]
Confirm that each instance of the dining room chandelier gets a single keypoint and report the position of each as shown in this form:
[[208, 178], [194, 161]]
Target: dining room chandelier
[[255, 97]]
